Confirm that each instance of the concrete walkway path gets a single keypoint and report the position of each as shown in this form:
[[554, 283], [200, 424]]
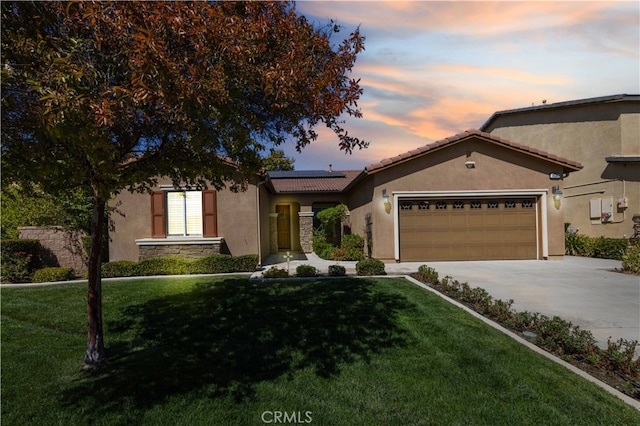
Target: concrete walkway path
[[591, 293]]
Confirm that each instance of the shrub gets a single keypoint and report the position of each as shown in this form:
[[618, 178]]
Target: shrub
[[563, 337], [631, 259], [352, 242], [20, 258], [16, 267], [619, 355], [370, 267], [163, 266], [427, 274], [306, 271], [337, 271], [609, 248], [321, 247], [244, 263], [119, 268], [276, 273], [53, 274], [577, 245], [213, 264], [600, 247]]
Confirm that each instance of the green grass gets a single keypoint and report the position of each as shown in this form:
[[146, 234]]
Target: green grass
[[203, 351]]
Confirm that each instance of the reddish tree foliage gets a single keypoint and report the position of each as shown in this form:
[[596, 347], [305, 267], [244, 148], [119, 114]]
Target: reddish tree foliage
[[112, 95]]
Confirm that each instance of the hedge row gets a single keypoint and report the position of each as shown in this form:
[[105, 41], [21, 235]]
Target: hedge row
[[214, 264], [600, 247], [553, 334]]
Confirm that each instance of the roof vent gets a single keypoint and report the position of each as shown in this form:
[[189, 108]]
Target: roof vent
[[330, 168]]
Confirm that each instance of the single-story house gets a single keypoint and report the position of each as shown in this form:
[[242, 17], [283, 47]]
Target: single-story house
[[472, 196], [603, 134]]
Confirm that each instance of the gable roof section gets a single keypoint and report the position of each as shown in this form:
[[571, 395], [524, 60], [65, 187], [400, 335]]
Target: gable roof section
[[567, 164], [311, 181], [559, 105]]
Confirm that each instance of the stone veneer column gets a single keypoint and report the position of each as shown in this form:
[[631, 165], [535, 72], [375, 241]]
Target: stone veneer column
[[306, 231], [273, 232]]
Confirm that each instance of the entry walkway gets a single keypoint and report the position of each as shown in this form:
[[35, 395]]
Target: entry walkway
[[591, 293]]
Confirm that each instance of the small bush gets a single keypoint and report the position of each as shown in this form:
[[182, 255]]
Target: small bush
[[337, 271], [306, 271], [564, 338], [609, 248], [427, 274], [20, 258], [16, 267], [321, 246], [119, 268], [47, 275], [619, 356], [163, 266], [276, 273], [631, 259], [370, 267], [352, 242]]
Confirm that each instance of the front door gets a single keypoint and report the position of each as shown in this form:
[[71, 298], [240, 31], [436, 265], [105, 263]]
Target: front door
[[284, 227]]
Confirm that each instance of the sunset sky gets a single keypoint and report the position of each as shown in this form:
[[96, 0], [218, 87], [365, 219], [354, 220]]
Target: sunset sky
[[434, 69]]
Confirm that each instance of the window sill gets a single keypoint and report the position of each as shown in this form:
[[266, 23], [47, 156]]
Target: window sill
[[178, 240]]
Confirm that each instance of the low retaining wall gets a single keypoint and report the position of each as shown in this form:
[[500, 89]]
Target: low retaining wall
[[65, 247]]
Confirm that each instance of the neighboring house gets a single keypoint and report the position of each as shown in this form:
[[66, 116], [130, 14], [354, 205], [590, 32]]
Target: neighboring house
[[472, 196], [601, 133]]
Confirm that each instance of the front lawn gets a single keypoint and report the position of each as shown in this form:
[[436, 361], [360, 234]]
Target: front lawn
[[229, 352]]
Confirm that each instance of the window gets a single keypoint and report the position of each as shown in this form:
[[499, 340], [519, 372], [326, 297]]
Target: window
[[424, 205], [509, 204], [475, 205], [406, 205], [492, 204], [458, 205], [527, 204], [441, 205], [183, 213]]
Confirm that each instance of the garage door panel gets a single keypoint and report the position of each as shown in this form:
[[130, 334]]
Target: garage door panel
[[492, 229]]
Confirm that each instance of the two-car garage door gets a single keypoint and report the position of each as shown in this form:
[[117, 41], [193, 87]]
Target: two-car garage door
[[467, 229]]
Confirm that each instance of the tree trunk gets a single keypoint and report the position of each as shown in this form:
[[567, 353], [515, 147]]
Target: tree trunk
[[96, 353]]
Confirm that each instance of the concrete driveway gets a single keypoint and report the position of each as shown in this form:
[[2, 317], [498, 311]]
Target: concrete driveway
[[588, 292]]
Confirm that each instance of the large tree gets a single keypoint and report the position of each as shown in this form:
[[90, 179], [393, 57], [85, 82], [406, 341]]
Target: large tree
[[111, 96], [278, 161]]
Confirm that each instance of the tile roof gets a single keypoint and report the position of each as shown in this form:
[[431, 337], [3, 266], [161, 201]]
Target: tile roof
[[569, 165], [306, 181]]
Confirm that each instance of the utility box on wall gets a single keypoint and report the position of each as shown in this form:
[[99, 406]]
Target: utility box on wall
[[607, 209], [595, 209]]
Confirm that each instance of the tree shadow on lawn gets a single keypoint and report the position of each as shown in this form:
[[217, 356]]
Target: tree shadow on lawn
[[222, 339]]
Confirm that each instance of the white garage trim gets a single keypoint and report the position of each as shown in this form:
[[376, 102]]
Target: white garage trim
[[539, 193]]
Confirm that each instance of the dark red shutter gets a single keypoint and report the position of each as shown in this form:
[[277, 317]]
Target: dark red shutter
[[209, 214], [158, 219]]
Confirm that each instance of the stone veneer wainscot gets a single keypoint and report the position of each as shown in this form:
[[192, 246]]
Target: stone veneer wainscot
[[188, 247]]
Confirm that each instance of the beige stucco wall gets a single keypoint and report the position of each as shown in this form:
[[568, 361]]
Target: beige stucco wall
[[237, 222], [588, 134], [497, 168]]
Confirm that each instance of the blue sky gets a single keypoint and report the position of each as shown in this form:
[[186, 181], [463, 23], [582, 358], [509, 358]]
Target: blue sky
[[434, 69]]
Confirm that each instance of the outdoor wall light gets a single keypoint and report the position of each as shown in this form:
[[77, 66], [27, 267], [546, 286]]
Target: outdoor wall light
[[557, 196], [386, 201]]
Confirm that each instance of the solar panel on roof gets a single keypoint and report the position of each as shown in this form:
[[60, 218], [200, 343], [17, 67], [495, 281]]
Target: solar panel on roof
[[304, 174]]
